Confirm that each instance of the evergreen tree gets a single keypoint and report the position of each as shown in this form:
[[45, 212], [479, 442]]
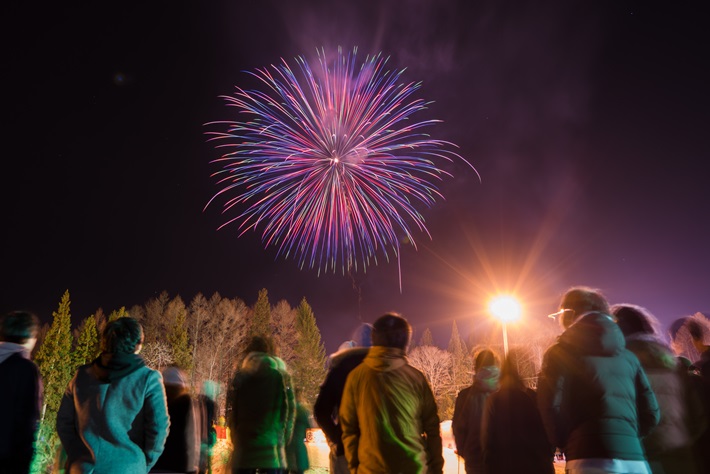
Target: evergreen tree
[[87, 343], [54, 359], [54, 356], [427, 339], [261, 318], [179, 341], [117, 313], [309, 364]]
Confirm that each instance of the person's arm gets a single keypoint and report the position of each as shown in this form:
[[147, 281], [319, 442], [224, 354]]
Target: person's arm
[[350, 424], [432, 430], [459, 422], [157, 422], [646, 404], [325, 408], [550, 392], [67, 428]]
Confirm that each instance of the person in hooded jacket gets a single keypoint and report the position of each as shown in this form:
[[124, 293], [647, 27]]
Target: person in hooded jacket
[[513, 439], [263, 411], [669, 447], [21, 393], [113, 416], [388, 413], [325, 410], [470, 403], [593, 395]]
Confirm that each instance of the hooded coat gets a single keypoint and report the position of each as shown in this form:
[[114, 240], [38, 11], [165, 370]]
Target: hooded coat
[[263, 413], [389, 417], [113, 416], [20, 402], [593, 395], [466, 423], [669, 446]]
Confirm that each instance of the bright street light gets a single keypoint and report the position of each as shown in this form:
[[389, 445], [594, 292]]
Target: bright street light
[[505, 309]]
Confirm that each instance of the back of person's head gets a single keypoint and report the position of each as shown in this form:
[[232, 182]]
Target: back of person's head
[[362, 336], [509, 375], [18, 327], [697, 331], [633, 319], [260, 344], [580, 300], [485, 358], [122, 336], [173, 375], [391, 330]]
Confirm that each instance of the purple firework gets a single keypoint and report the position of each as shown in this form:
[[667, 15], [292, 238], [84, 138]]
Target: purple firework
[[328, 162]]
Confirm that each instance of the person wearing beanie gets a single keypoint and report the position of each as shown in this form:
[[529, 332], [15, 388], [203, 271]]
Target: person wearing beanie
[[325, 410], [113, 416], [466, 423], [182, 447], [21, 393], [593, 395]]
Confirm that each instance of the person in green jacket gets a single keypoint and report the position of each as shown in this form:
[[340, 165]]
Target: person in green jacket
[[594, 398], [388, 413], [113, 416]]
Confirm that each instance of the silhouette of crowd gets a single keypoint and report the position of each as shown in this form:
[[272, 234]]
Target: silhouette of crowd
[[611, 397]]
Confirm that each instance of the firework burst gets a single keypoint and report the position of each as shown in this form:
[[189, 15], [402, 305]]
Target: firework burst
[[328, 162]]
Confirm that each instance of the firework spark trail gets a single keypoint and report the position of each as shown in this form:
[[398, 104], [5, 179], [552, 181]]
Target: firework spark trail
[[328, 161]]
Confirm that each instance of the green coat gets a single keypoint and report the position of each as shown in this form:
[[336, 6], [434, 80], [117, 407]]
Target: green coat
[[593, 395]]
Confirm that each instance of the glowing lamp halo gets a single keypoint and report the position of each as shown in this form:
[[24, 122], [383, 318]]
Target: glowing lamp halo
[[505, 308]]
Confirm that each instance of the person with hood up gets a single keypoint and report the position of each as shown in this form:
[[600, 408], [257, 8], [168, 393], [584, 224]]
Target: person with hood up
[[21, 393], [466, 423], [593, 396], [325, 410], [669, 447], [182, 448], [388, 413], [113, 416], [263, 411]]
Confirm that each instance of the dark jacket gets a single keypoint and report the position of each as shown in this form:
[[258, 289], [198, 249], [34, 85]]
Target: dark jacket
[[593, 395], [20, 402], [325, 410], [467, 421], [669, 446], [513, 438], [181, 453]]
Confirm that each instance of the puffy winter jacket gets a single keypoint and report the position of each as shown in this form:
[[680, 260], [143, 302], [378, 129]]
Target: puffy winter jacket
[[593, 395]]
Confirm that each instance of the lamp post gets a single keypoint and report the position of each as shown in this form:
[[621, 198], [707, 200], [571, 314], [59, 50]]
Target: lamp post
[[505, 309]]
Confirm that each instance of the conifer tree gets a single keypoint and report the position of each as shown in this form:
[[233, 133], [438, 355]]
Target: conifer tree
[[117, 313], [427, 339], [309, 364], [54, 356], [87, 343], [261, 318], [179, 341]]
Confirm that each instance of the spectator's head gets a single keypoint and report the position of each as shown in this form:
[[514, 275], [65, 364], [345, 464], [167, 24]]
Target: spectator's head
[[391, 330], [122, 336], [362, 337], [485, 358], [698, 333], [173, 375], [19, 327], [635, 320], [260, 344], [509, 375], [578, 301]]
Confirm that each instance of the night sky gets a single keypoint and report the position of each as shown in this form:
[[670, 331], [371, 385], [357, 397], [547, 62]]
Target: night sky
[[587, 121]]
